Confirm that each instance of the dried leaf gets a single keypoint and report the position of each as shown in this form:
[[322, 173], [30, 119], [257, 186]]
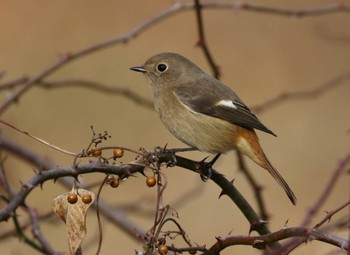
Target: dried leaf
[[74, 215]]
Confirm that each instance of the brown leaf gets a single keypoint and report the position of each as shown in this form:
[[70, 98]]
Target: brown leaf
[[74, 215]]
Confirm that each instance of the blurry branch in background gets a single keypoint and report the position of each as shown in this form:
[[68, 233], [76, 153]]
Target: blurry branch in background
[[202, 41], [307, 94], [99, 87], [69, 56], [155, 237], [337, 173]]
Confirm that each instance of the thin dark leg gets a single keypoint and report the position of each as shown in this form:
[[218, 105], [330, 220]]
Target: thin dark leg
[[205, 168]]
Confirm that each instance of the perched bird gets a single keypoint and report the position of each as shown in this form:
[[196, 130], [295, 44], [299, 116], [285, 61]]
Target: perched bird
[[203, 112]]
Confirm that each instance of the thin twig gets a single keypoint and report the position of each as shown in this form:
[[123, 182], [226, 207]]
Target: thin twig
[[202, 42], [305, 94], [262, 241], [331, 213], [337, 173], [34, 218], [38, 139], [13, 84], [122, 91], [173, 9]]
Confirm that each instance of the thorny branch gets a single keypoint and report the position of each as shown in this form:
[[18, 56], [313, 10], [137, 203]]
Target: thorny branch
[[167, 156], [266, 237]]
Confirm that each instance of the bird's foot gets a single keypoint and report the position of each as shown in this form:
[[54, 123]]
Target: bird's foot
[[205, 168]]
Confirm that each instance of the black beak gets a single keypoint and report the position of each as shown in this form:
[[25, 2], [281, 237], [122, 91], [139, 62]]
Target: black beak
[[138, 69]]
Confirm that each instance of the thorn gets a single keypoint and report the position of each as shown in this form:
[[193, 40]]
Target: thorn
[[222, 193], [259, 244], [142, 171], [286, 223], [255, 226], [219, 239]]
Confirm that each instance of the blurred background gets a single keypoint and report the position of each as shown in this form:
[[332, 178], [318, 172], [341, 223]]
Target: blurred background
[[260, 55]]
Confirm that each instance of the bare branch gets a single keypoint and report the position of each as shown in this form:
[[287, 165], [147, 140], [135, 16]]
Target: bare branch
[[261, 241], [313, 93], [37, 232], [123, 170], [202, 42], [99, 87], [173, 9], [38, 139]]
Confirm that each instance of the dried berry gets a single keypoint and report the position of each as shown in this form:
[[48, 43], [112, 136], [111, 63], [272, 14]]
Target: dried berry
[[118, 153], [151, 181], [72, 198], [86, 199]]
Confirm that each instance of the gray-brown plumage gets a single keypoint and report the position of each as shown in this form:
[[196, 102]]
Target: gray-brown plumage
[[203, 112]]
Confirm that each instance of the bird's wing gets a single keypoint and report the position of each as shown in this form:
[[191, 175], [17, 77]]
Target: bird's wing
[[211, 103]]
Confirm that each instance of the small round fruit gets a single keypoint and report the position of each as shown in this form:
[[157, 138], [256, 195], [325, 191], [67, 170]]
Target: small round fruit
[[72, 198], [114, 183], [151, 181], [86, 199], [192, 252], [118, 153], [96, 152], [163, 249]]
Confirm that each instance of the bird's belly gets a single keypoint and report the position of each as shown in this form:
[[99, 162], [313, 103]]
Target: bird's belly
[[206, 133]]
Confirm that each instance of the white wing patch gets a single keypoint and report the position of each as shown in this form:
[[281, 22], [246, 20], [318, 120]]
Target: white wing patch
[[227, 103]]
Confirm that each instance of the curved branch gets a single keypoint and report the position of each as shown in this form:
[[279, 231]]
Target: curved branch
[[261, 241], [173, 9], [122, 170], [97, 86]]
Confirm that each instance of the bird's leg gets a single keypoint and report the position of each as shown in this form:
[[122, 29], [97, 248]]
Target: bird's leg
[[205, 168], [212, 162]]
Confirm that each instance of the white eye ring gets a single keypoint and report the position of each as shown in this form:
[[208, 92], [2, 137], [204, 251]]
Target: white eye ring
[[162, 67]]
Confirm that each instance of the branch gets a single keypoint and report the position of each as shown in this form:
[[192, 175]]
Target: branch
[[122, 170], [70, 56], [202, 42], [313, 93], [256, 224], [261, 241], [38, 234], [257, 188], [173, 9], [126, 92], [294, 13], [331, 213], [337, 173]]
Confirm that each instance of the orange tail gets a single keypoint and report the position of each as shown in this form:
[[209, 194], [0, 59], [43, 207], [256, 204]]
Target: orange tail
[[248, 143]]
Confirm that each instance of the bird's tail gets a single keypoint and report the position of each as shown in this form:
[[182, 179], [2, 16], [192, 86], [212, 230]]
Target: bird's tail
[[277, 176], [248, 144]]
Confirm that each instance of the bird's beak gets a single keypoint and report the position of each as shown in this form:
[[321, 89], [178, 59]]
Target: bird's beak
[[138, 69]]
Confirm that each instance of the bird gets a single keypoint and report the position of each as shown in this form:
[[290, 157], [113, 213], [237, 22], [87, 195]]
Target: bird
[[203, 112]]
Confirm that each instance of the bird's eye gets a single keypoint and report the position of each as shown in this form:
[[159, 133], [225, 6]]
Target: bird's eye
[[162, 68]]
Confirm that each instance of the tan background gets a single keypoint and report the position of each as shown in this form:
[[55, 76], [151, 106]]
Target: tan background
[[260, 55]]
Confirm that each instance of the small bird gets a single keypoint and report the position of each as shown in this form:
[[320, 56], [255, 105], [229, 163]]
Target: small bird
[[203, 112]]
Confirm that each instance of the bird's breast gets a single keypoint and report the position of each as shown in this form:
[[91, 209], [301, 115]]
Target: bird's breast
[[204, 132]]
